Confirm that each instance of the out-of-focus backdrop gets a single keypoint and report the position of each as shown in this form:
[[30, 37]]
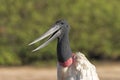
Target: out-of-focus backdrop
[[95, 30]]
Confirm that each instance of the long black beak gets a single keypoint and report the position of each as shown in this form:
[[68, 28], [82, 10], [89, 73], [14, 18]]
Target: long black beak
[[54, 32]]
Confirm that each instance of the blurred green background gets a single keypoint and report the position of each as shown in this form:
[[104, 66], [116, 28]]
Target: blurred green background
[[95, 29]]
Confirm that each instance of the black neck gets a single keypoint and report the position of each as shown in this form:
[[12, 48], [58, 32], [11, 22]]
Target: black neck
[[63, 48]]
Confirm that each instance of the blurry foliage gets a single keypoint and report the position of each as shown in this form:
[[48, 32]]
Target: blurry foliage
[[95, 28]]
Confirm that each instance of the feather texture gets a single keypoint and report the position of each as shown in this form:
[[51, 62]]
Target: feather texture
[[81, 69]]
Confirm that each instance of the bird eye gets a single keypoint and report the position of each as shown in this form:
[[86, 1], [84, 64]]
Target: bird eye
[[62, 23]]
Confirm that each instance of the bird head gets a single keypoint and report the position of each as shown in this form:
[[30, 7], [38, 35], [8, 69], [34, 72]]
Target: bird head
[[58, 30]]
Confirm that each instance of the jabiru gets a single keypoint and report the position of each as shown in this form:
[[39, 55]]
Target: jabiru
[[70, 66]]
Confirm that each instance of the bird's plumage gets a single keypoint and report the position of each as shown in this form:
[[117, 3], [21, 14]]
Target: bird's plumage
[[70, 67], [81, 69]]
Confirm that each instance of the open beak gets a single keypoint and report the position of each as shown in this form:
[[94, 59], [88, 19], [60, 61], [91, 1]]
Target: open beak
[[54, 32]]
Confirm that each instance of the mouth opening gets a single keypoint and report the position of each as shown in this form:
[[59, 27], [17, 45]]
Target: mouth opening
[[51, 34]]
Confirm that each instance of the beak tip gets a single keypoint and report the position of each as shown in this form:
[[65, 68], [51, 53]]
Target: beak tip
[[30, 44], [34, 50]]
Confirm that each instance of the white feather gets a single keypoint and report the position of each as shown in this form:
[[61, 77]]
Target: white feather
[[81, 69]]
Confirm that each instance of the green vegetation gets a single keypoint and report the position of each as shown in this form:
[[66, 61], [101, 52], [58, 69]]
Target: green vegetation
[[95, 28]]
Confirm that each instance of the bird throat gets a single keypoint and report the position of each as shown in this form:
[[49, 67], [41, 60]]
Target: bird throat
[[63, 49]]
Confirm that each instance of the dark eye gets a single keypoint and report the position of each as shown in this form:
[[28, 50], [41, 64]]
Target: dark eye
[[62, 23]]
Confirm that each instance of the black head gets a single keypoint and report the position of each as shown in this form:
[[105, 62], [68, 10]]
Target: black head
[[59, 29], [64, 27]]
